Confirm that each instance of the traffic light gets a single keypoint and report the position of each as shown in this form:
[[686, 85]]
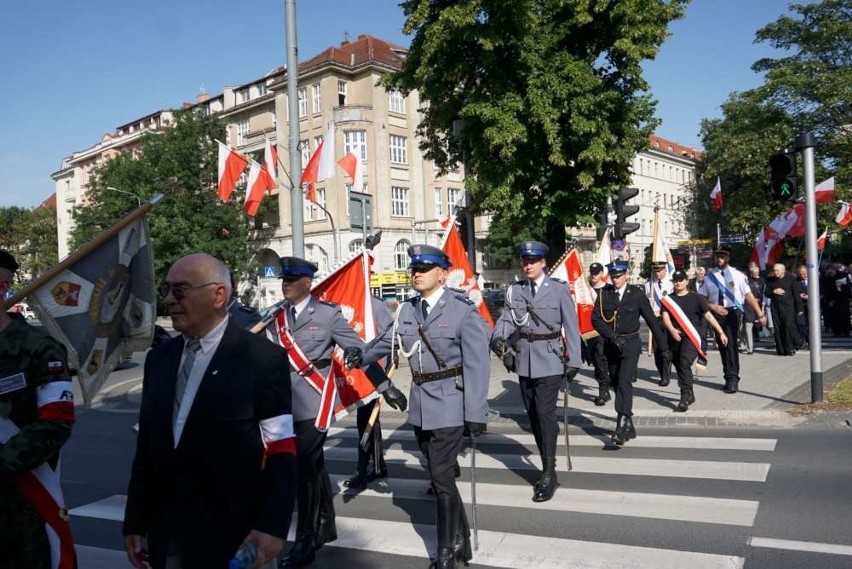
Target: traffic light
[[603, 219], [623, 211], [783, 170]]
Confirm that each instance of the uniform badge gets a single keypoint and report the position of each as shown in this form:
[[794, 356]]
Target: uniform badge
[[12, 383], [66, 293], [55, 366]]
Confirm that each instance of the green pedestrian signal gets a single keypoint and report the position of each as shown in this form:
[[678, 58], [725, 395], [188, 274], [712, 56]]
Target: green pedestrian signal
[[784, 183]]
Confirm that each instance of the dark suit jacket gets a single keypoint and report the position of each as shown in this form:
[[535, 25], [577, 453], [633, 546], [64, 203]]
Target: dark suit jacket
[[612, 318], [207, 494]]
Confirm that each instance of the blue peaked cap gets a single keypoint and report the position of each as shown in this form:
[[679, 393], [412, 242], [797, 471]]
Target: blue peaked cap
[[296, 267], [427, 255], [533, 249], [617, 267]]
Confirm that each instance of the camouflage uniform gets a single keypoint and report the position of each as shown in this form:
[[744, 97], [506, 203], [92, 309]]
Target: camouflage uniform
[[27, 350]]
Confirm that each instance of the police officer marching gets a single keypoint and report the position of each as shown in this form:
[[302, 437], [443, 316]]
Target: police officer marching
[[539, 322], [595, 345], [444, 339], [616, 318], [316, 328]]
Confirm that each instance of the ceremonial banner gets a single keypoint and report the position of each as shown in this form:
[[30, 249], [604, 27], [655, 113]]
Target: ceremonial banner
[[604, 255], [460, 276], [102, 306], [570, 269]]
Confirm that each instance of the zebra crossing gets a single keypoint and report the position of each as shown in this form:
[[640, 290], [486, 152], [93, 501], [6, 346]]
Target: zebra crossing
[[644, 492]]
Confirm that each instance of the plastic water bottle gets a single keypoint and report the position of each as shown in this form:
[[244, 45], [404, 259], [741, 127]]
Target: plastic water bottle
[[245, 557]]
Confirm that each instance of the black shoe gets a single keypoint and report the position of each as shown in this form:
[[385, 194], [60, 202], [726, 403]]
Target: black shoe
[[665, 381], [691, 396], [603, 396], [619, 437], [357, 482], [546, 487], [326, 532], [631, 430], [301, 554], [731, 386], [683, 404], [446, 559]]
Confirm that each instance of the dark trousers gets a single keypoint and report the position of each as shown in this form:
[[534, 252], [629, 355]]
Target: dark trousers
[[684, 354], [663, 359], [622, 370], [598, 355], [312, 480], [730, 323], [374, 451], [539, 395]]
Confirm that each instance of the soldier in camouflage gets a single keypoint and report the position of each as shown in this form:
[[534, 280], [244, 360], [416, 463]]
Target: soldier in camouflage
[[36, 415]]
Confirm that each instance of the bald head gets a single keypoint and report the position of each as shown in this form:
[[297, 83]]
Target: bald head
[[199, 290], [780, 269]]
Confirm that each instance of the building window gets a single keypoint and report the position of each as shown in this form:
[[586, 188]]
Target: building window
[[453, 195], [318, 256], [438, 204], [305, 147], [261, 89], [303, 102], [356, 245], [243, 95], [400, 255], [321, 201], [355, 141], [398, 149], [317, 93], [396, 102], [242, 131], [317, 141], [341, 93], [399, 201]]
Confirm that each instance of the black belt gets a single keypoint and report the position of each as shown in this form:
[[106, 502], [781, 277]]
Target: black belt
[[319, 364], [421, 378], [623, 334], [532, 336]]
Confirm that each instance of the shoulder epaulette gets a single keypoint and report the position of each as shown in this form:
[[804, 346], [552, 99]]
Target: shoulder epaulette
[[558, 280], [463, 297], [328, 303]]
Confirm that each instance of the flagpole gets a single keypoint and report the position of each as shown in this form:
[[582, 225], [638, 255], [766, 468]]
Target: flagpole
[[96, 242], [297, 222]]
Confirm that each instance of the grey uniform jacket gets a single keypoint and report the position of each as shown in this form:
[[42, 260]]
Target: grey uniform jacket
[[457, 335], [554, 305], [317, 330]]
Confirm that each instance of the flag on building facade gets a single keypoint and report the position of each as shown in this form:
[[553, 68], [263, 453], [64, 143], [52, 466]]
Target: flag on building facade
[[320, 166], [270, 161], [824, 191], [716, 195], [570, 269], [231, 166], [102, 307], [259, 182], [460, 276], [351, 164], [844, 216]]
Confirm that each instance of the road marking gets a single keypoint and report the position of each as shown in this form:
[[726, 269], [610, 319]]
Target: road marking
[[111, 508], [634, 504], [101, 558], [496, 549], [698, 443], [715, 470], [810, 546]]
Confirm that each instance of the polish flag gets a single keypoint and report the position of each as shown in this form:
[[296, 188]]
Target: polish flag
[[270, 161], [231, 166], [844, 216], [351, 164], [460, 276], [320, 166], [821, 240], [824, 191], [768, 247], [570, 269], [716, 195], [604, 255], [259, 182]]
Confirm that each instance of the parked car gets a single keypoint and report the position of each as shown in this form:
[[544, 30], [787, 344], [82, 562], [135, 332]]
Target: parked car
[[494, 299], [24, 310]]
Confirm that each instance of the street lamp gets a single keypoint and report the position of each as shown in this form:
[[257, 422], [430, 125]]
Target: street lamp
[[138, 201]]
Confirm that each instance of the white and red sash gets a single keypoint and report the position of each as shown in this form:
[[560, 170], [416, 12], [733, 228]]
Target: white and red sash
[[676, 312], [41, 486]]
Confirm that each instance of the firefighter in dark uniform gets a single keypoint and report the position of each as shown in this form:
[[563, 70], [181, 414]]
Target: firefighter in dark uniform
[[36, 416], [539, 322], [595, 345], [317, 327], [441, 333], [616, 318]]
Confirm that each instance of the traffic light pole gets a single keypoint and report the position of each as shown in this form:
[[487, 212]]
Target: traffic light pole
[[805, 145]]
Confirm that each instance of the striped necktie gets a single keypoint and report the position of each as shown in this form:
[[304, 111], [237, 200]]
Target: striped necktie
[[190, 351]]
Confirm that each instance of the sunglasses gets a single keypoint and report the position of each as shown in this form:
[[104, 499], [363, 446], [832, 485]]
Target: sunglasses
[[179, 291]]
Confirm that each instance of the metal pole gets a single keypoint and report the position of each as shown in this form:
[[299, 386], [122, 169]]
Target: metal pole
[[718, 235], [364, 221], [805, 145], [297, 211]]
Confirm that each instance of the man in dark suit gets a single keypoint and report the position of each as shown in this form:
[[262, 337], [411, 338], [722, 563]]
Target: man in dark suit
[[616, 318], [215, 459]]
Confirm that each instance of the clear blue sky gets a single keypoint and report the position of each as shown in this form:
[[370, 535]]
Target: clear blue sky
[[73, 71]]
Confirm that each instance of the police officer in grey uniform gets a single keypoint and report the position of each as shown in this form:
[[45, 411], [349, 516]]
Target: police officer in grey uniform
[[539, 322], [616, 318], [441, 334], [317, 328]]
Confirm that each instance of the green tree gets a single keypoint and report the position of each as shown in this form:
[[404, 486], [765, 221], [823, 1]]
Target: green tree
[[30, 235], [552, 96], [181, 163]]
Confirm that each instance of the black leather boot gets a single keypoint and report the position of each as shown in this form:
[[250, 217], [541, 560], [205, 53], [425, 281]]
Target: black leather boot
[[302, 553], [630, 430], [619, 437], [326, 530], [547, 486], [360, 479], [683, 404], [691, 396], [447, 525], [603, 395], [461, 545]]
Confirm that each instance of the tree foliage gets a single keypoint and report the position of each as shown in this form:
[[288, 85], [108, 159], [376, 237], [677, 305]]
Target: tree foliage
[[180, 163], [808, 89], [30, 235], [551, 93]]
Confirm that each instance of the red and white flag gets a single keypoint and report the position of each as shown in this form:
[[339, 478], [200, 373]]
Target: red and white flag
[[844, 216], [768, 248], [270, 161], [570, 269], [604, 255], [716, 195], [821, 240], [351, 164], [259, 182], [231, 166], [824, 191], [320, 166], [460, 276]]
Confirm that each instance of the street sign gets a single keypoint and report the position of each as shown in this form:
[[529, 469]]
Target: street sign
[[360, 211], [619, 244], [270, 272], [731, 239]]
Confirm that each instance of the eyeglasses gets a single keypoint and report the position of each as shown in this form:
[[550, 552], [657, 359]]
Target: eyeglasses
[[179, 291]]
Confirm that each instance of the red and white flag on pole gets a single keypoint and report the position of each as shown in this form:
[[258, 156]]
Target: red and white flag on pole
[[320, 166], [270, 161], [821, 240], [844, 216], [231, 166], [259, 182], [460, 276], [351, 164], [824, 191], [716, 195], [570, 269], [768, 248], [604, 255]]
